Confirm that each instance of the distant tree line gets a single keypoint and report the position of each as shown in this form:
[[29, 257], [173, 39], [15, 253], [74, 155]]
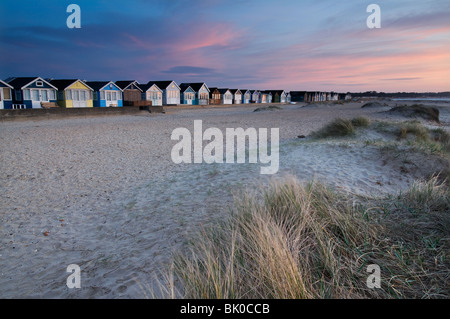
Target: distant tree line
[[401, 94]]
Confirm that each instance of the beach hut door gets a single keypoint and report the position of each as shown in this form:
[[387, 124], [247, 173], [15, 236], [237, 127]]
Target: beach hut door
[[80, 98]]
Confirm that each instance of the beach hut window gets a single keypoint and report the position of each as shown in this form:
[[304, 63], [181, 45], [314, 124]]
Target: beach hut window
[[35, 95], [82, 96], [44, 95], [102, 95], [6, 94], [52, 95], [108, 96], [69, 95], [39, 83], [26, 94]]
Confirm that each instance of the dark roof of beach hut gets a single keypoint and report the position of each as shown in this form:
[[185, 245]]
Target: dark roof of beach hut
[[185, 86], [20, 82], [196, 86], [97, 85], [124, 84], [161, 84], [62, 84], [223, 91]]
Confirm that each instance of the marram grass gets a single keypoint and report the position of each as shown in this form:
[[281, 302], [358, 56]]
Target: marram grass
[[293, 241]]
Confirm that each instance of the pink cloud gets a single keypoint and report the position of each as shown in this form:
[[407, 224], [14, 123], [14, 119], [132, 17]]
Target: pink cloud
[[201, 46], [428, 70]]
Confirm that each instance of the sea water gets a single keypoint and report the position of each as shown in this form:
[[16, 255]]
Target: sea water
[[424, 99]]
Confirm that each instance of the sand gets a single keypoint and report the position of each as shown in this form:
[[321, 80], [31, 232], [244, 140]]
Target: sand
[[103, 192]]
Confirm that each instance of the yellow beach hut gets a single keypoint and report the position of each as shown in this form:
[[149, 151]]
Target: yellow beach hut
[[73, 93]]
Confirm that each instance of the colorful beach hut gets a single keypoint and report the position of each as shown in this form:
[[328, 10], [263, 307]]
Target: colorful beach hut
[[201, 92], [265, 97], [246, 96], [132, 92], [31, 92], [288, 97], [106, 94], [5, 95], [226, 97], [151, 92], [187, 94], [255, 96], [278, 96], [215, 96], [171, 91], [73, 93], [237, 96]]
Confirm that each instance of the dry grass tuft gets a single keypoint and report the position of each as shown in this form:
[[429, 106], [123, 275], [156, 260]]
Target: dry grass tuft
[[338, 128], [298, 241], [361, 121], [414, 128]]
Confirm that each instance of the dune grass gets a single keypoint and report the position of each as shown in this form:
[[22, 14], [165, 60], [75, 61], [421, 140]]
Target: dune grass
[[414, 128], [297, 241], [341, 127], [412, 132], [417, 110], [337, 128], [433, 140], [360, 121], [441, 136]]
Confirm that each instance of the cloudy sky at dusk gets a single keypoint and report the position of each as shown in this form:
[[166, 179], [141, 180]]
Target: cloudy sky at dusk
[[254, 44]]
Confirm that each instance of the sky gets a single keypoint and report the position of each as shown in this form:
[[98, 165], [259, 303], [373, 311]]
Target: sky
[[247, 44]]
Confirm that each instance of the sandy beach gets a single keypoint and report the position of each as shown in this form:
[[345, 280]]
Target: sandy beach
[[104, 193]]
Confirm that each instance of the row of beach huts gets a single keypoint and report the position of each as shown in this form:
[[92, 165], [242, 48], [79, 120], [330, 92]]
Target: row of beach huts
[[36, 92]]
